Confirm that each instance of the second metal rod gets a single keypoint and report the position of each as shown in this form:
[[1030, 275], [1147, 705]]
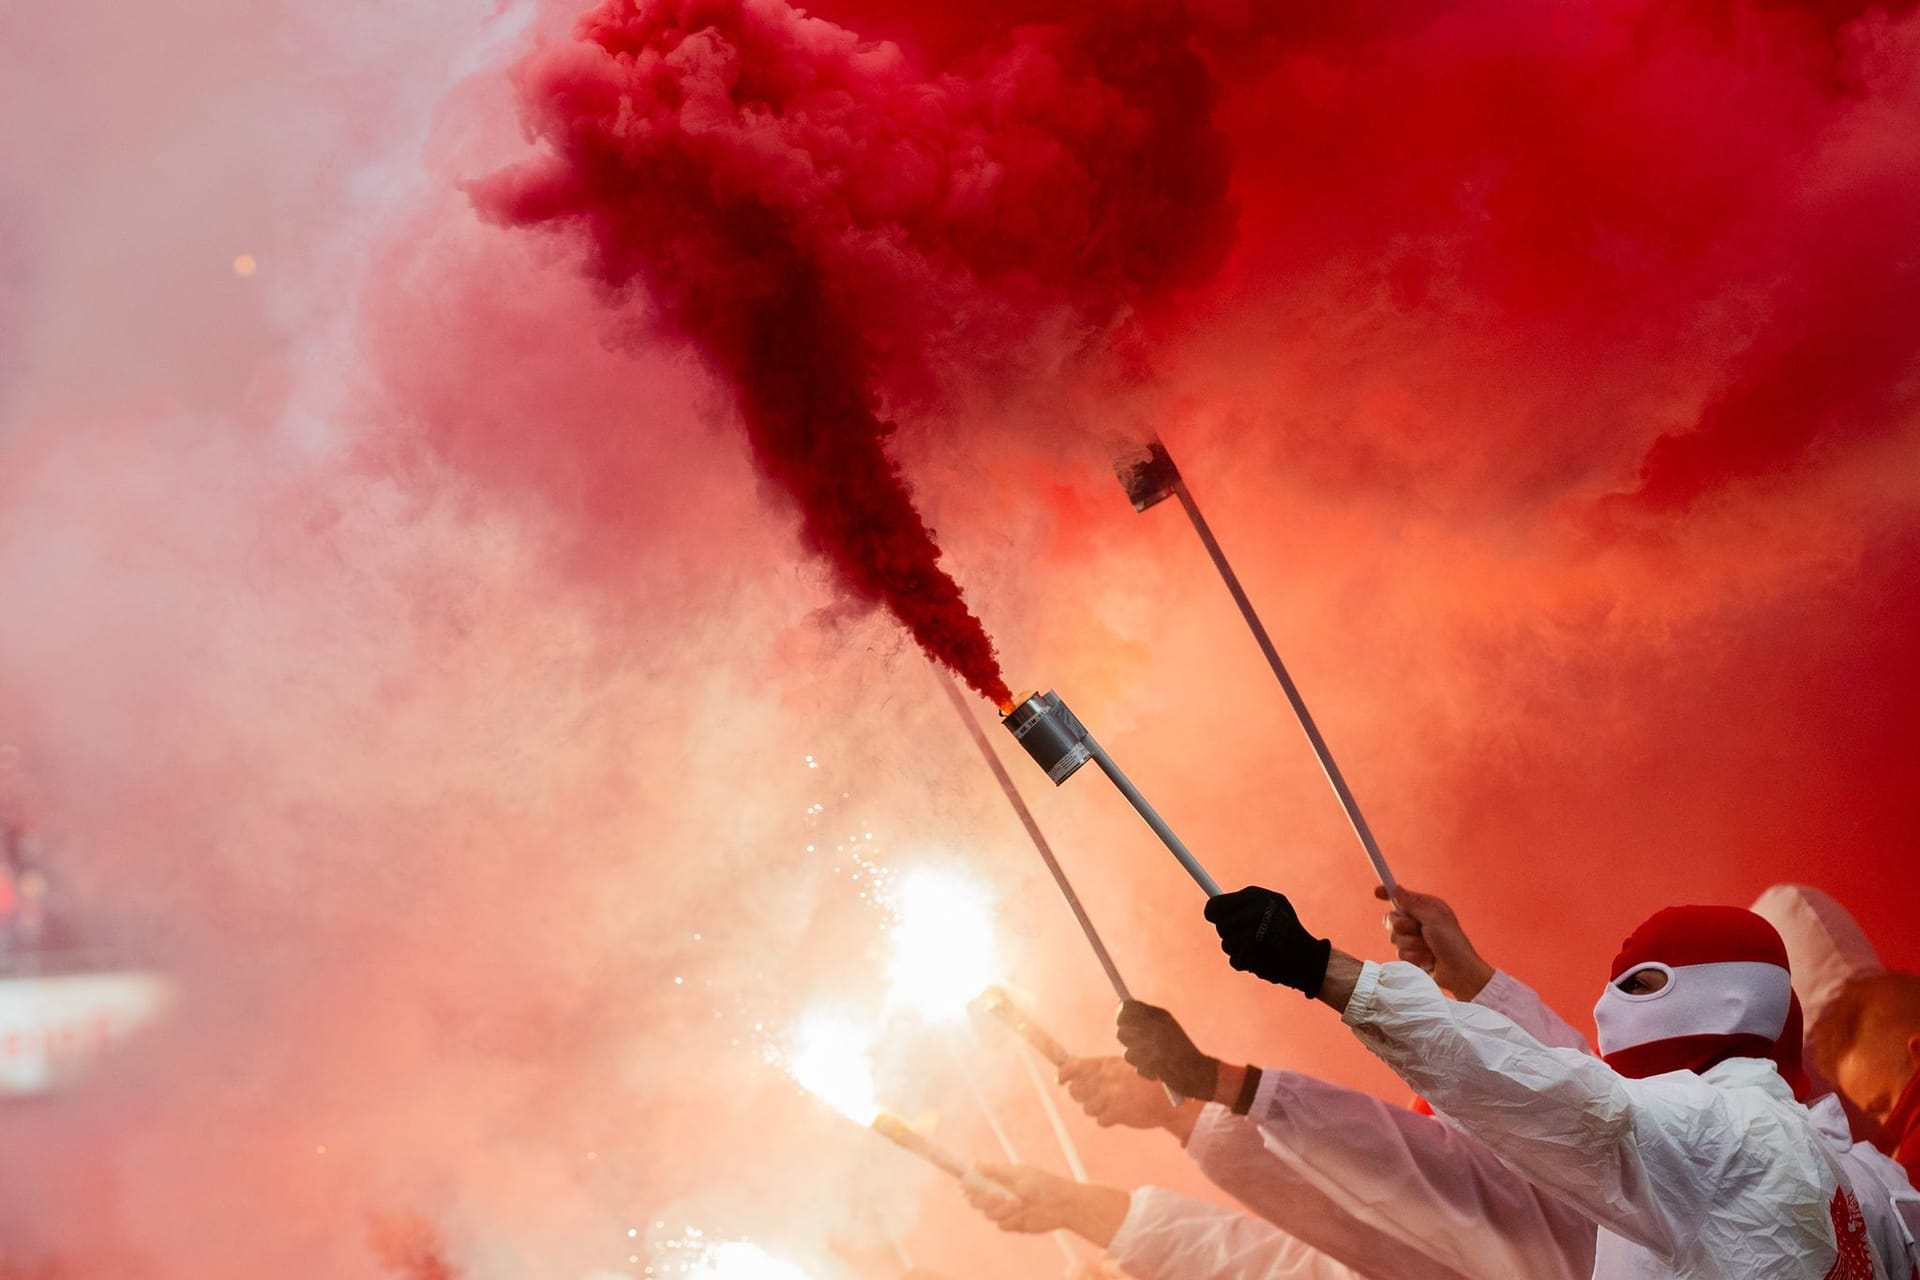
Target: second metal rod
[[1152, 816], [1319, 744]]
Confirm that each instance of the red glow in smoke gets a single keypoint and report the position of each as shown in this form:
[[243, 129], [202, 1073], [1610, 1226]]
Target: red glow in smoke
[[410, 1248], [836, 230]]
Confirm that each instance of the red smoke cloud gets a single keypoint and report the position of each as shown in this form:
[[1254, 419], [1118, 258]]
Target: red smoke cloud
[[833, 227], [1555, 395]]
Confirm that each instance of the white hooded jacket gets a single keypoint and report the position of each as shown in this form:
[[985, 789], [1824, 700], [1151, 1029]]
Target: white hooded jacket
[[1716, 1176], [1888, 1202]]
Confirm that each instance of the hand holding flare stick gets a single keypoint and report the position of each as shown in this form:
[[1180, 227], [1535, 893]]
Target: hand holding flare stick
[[1157, 1050], [830, 1060], [1149, 477]]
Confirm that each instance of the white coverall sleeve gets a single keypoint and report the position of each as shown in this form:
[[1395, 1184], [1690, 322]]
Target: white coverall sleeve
[[1507, 994], [1235, 1156], [1422, 1181], [1614, 1148], [1171, 1237]]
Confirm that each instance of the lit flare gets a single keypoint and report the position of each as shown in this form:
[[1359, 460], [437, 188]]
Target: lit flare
[[942, 949], [832, 1058]]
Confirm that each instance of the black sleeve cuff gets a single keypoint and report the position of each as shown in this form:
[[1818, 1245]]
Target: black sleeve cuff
[[1248, 1088]]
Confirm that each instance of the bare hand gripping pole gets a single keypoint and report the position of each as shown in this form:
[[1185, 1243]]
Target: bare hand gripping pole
[[1060, 744], [1040, 845], [1149, 477]]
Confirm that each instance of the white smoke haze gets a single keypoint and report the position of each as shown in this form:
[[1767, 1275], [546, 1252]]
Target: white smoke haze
[[493, 839]]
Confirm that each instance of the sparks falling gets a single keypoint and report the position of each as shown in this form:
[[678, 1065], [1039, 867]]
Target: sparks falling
[[692, 1256], [741, 1260]]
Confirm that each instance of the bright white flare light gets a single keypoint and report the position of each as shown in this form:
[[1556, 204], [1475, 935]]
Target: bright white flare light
[[942, 939], [832, 1059], [738, 1260]]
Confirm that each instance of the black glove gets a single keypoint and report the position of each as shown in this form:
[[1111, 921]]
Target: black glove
[[1262, 936], [1159, 1049]]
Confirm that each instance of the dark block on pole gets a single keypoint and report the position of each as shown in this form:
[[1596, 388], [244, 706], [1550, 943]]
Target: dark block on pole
[[1148, 475], [1051, 734]]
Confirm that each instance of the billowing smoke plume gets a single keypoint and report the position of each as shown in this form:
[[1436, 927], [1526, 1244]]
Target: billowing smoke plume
[[835, 228]]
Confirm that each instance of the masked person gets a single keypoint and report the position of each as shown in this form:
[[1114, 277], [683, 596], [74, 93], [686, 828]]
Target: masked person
[[1683, 1143], [1818, 933]]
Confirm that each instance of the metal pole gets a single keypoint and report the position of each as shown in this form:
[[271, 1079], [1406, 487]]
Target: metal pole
[[1152, 817], [1040, 845], [1151, 479], [1314, 739], [1053, 736]]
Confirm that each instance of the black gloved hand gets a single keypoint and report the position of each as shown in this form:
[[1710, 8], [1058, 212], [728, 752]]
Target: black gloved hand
[[1261, 935], [1159, 1049]]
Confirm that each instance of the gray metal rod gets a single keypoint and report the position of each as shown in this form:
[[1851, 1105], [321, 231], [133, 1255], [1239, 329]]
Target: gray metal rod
[[1152, 817], [1314, 739], [1040, 845]]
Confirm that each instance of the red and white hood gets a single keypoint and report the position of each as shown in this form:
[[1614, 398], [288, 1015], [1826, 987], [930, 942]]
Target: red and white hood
[[1728, 993]]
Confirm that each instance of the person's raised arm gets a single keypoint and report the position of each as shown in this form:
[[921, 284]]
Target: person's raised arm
[[1351, 1173], [1425, 931], [1564, 1120]]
